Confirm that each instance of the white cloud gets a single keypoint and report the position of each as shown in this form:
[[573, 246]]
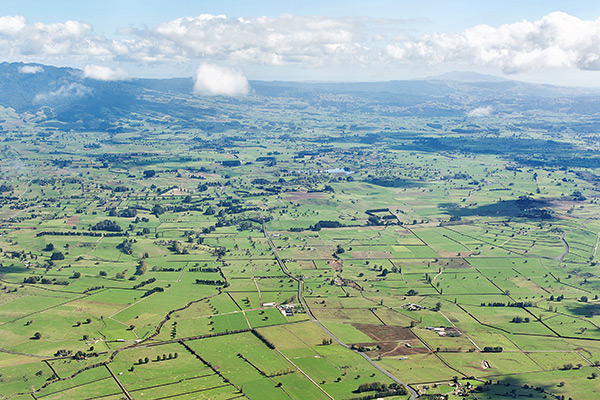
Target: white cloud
[[103, 73], [73, 90], [558, 40], [262, 40], [11, 25], [21, 40], [31, 69], [555, 41], [480, 112], [216, 80]]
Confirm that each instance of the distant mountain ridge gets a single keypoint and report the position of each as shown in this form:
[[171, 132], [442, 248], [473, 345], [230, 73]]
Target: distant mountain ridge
[[71, 101], [465, 76]]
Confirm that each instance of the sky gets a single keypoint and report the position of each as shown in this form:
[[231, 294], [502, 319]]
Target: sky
[[547, 41]]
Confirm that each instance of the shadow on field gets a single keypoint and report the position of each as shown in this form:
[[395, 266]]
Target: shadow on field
[[513, 387], [585, 309], [395, 182], [522, 207], [13, 269]]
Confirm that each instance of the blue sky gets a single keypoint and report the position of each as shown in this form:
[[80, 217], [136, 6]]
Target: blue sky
[[541, 41], [109, 15]]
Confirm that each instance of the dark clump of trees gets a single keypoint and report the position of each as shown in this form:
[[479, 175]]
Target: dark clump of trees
[[144, 283], [126, 246], [107, 225], [494, 349], [231, 163], [392, 182], [325, 224], [78, 233], [165, 269], [380, 389], [141, 268], [577, 196], [157, 210], [178, 248], [129, 212], [371, 387], [163, 358], [206, 269], [213, 282], [46, 281], [519, 304], [152, 291], [31, 279]]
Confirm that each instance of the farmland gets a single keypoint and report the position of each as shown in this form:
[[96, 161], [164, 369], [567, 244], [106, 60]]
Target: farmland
[[372, 255]]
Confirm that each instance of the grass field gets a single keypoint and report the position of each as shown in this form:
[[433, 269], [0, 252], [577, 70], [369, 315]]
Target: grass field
[[328, 255]]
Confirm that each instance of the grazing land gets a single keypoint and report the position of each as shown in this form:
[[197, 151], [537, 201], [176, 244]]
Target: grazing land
[[299, 246]]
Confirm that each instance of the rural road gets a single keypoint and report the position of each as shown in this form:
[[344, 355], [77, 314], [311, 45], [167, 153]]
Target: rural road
[[413, 394], [566, 245]]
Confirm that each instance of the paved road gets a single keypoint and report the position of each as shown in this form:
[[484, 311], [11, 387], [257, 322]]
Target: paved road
[[413, 394]]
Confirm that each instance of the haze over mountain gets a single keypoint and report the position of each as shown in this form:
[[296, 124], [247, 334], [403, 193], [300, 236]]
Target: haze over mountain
[[70, 100], [465, 76]]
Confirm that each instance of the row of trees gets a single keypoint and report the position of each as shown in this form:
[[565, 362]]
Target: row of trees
[[164, 357]]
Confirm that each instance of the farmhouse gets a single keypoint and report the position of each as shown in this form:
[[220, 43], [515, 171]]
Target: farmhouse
[[286, 310], [414, 307], [447, 332]]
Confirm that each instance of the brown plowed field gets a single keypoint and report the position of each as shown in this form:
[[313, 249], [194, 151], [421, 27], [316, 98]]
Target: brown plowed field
[[391, 340]]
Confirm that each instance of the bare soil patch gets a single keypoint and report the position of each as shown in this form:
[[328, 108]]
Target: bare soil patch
[[391, 340], [385, 333], [336, 265], [371, 254], [73, 221], [298, 196]]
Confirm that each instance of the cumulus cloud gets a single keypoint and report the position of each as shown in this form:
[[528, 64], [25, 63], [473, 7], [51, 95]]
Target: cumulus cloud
[[31, 69], [558, 40], [288, 39], [103, 73], [67, 91], [21, 40], [11, 24], [480, 112], [214, 80], [262, 40]]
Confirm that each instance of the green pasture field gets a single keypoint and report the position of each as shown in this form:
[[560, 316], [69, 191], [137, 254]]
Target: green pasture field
[[414, 238], [243, 373]]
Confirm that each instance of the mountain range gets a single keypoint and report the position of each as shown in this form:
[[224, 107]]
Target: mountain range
[[69, 100]]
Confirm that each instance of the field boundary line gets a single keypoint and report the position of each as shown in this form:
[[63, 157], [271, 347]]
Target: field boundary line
[[119, 383], [467, 336], [411, 391], [303, 373], [129, 306]]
